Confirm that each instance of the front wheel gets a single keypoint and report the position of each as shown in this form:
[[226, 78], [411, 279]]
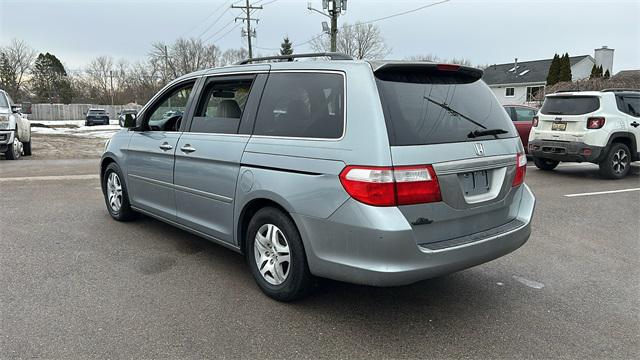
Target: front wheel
[[14, 152], [545, 164], [276, 256], [617, 163], [115, 194]]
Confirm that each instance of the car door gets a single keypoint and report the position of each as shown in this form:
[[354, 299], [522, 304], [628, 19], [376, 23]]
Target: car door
[[522, 119], [631, 106], [151, 151], [208, 154]]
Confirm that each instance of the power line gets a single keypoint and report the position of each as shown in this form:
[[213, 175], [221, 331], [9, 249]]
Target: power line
[[206, 18], [219, 30], [227, 33], [213, 23], [379, 19], [247, 10]]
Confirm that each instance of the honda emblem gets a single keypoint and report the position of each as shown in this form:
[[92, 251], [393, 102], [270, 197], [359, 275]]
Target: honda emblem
[[479, 149]]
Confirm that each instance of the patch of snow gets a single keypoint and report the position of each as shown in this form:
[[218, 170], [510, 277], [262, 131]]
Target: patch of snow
[[75, 128]]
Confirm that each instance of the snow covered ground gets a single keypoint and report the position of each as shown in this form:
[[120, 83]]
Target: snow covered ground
[[74, 128]]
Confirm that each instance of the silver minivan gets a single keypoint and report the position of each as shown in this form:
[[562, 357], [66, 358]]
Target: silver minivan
[[377, 173]]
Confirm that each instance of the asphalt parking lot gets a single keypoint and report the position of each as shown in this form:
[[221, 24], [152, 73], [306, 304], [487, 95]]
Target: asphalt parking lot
[[76, 284]]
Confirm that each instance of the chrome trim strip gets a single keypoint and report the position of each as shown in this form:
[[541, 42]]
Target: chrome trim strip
[[429, 251], [186, 228], [474, 164], [184, 189]]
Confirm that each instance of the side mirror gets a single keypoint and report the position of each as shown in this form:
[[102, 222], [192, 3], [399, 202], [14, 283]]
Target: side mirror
[[129, 121], [16, 108]]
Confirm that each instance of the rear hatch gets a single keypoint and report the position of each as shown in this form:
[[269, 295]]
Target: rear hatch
[[564, 117], [446, 117]]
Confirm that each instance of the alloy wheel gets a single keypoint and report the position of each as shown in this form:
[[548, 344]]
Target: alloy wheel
[[114, 192], [620, 161], [272, 254]]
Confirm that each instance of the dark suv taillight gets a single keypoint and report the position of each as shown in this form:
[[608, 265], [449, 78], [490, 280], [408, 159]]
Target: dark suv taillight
[[595, 122], [391, 186]]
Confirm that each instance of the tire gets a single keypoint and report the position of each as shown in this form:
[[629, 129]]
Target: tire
[[545, 164], [617, 163], [14, 150], [282, 280], [26, 148], [115, 194]]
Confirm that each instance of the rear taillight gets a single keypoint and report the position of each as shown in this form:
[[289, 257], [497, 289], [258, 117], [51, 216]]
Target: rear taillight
[[595, 122], [447, 67], [521, 169], [534, 122], [391, 186]]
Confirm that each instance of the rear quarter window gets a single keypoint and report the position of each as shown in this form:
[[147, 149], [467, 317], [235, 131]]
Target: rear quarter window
[[304, 105], [570, 105]]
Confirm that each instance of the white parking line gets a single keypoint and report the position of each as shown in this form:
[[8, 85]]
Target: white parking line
[[603, 192], [51, 178]]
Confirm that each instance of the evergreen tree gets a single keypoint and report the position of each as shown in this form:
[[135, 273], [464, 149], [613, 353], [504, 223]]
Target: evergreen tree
[[607, 74], [50, 80], [600, 74], [554, 70], [565, 68], [594, 72], [286, 48]]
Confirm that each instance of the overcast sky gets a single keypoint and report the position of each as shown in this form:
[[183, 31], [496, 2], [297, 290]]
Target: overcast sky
[[485, 32]]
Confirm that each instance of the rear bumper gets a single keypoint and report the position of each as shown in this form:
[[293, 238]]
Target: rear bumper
[[570, 151], [375, 246]]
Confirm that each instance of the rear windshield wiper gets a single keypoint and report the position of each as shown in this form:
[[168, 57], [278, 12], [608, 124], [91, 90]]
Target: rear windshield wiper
[[453, 112], [478, 133]]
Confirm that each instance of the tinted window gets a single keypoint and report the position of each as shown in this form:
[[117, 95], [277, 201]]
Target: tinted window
[[629, 105], [414, 117], [3, 101], [97, 112], [309, 105], [570, 105], [524, 114], [221, 106]]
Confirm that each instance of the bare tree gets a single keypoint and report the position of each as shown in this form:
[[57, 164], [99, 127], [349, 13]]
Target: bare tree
[[183, 56], [232, 56], [362, 41], [436, 58], [16, 61], [98, 76]]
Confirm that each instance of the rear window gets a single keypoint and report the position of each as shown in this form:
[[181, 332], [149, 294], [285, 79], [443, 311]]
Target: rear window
[[307, 105], [96, 112], [422, 109], [570, 105]]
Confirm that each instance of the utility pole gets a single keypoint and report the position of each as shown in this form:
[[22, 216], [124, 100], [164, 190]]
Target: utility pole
[[247, 9], [333, 9]]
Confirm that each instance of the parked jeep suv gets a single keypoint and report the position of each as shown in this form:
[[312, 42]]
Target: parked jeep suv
[[601, 127], [381, 173], [96, 117]]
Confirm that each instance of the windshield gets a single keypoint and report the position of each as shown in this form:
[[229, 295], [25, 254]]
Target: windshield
[[441, 110], [570, 105], [3, 101]]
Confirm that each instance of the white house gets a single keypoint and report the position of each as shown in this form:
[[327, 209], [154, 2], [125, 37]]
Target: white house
[[522, 82]]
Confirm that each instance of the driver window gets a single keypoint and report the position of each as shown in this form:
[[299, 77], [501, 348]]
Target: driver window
[[167, 115]]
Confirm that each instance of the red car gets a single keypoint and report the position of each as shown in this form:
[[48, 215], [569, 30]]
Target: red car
[[522, 117]]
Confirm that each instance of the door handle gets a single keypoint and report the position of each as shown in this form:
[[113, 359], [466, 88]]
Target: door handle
[[166, 146], [635, 124], [187, 149]]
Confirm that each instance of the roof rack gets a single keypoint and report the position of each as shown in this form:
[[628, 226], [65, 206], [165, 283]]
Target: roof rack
[[330, 55], [619, 89]]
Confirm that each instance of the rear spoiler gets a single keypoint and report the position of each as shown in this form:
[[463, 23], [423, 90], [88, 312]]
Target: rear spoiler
[[419, 72]]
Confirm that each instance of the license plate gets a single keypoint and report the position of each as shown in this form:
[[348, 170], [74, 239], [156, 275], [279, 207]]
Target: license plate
[[475, 182], [559, 126]]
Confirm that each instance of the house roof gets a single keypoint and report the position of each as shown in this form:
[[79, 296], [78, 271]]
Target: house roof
[[537, 71]]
